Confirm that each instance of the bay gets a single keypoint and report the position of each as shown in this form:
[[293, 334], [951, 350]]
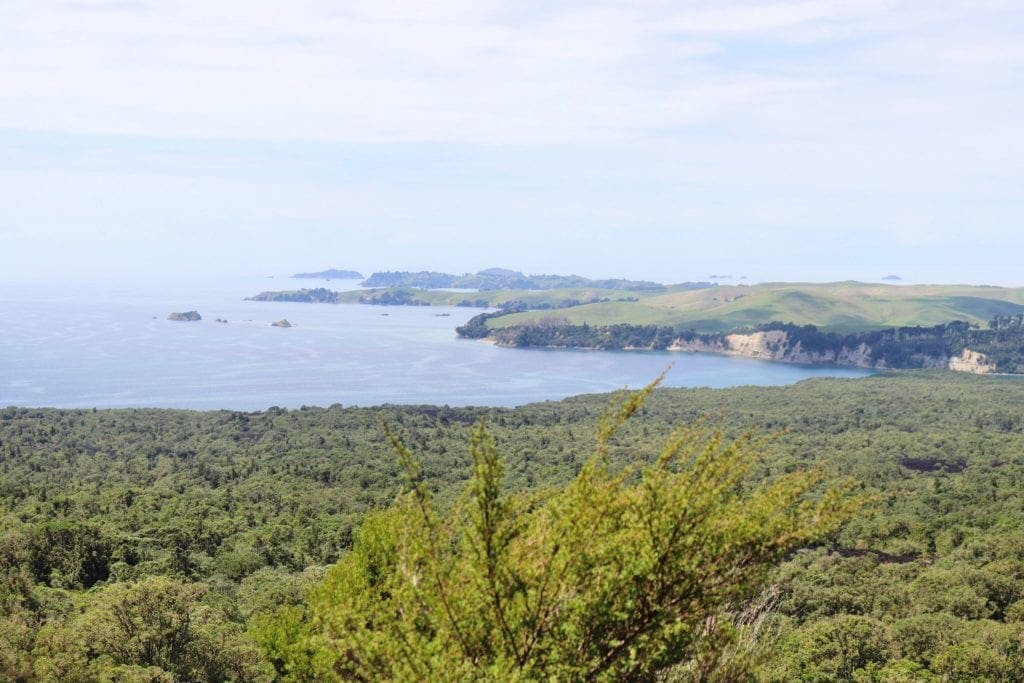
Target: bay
[[107, 343]]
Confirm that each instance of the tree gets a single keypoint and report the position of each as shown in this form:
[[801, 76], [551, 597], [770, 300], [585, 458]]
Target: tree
[[154, 630], [620, 575], [839, 648], [69, 554]]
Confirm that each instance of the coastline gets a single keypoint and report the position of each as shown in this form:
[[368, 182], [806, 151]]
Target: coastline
[[774, 346]]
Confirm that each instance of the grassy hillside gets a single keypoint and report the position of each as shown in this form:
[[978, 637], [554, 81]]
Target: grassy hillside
[[840, 307]]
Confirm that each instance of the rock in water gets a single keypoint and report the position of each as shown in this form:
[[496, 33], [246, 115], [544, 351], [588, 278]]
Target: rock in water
[[187, 316], [281, 323]]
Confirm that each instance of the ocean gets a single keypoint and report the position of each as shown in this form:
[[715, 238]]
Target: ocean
[[107, 343]]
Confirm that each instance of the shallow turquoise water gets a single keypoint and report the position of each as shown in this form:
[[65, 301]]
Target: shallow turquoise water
[[107, 344]]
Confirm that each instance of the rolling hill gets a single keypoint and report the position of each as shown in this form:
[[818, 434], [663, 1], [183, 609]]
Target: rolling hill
[[834, 307]]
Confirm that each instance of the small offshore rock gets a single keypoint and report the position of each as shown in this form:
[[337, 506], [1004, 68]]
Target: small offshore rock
[[281, 323], [186, 316]]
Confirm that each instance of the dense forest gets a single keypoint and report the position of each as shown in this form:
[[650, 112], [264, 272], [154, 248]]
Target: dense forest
[[179, 545]]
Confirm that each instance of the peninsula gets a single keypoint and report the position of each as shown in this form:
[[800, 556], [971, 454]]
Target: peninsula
[[958, 327], [973, 329]]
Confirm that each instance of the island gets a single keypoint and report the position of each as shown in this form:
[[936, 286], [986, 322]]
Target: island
[[319, 295], [187, 316], [538, 293], [517, 300], [283, 322], [331, 274], [492, 279]]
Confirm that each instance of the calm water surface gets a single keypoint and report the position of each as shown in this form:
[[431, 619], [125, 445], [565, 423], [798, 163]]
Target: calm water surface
[[108, 344]]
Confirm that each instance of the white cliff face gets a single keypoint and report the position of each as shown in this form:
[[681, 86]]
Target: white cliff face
[[775, 345], [971, 361], [770, 345]]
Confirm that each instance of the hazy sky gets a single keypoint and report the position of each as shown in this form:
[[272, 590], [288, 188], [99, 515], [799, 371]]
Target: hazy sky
[[669, 140]]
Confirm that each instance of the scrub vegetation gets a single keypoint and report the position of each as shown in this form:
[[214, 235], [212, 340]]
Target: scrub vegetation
[[178, 545]]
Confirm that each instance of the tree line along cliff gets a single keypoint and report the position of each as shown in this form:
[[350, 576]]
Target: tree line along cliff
[[956, 345]]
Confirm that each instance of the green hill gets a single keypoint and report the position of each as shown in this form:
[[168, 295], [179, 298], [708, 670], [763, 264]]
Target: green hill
[[838, 307]]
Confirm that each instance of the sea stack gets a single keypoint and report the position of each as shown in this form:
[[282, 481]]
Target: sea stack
[[187, 316]]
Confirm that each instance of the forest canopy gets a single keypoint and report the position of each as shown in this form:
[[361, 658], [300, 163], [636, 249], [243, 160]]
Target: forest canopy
[[237, 518]]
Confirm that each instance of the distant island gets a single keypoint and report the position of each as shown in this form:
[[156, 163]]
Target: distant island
[[492, 279], [506, 299], [892, 278], [509, 290], [331, 274], [187, 316], [319, 295]]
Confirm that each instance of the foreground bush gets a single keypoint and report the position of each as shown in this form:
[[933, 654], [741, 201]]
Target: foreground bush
[[622, 574]]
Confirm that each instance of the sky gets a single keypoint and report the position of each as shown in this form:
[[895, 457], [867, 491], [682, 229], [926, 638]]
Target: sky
[[661, 139]]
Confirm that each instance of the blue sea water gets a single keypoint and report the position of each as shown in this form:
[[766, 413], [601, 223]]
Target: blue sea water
[[108, 344]]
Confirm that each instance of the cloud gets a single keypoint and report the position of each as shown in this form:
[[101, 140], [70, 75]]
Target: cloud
[[657, 129], [372, 71], [771, 17]]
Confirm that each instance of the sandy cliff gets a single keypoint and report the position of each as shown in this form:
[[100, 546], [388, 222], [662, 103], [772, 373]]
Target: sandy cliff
[[971, 361], [775, 345]]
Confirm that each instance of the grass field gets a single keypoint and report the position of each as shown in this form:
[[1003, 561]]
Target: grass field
[[840, 307]]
